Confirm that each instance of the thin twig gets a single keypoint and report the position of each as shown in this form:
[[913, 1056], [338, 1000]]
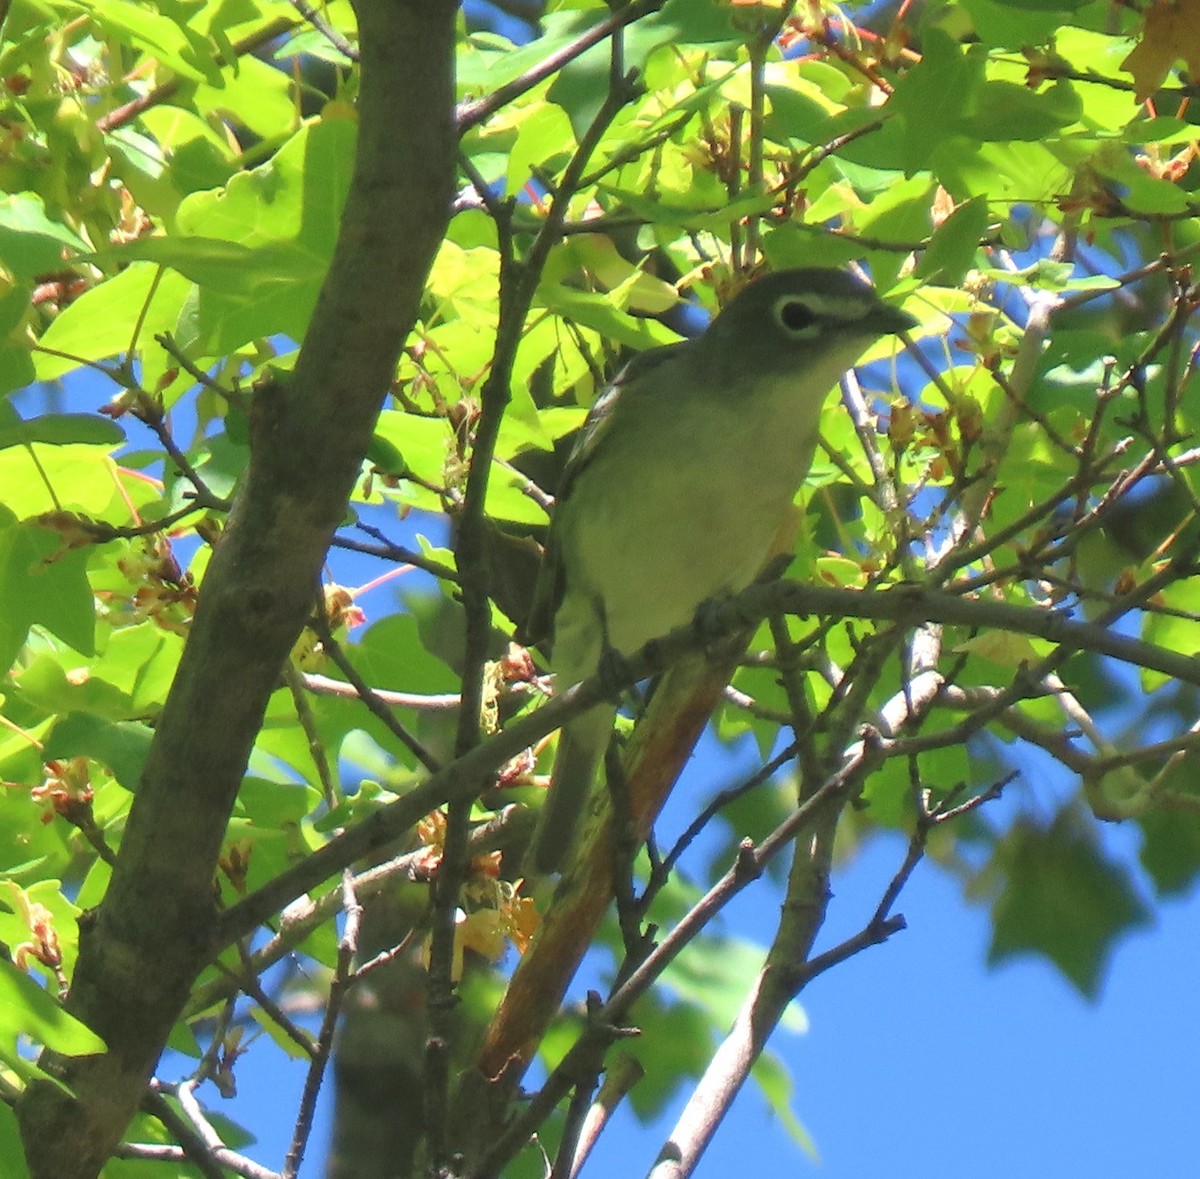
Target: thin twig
[[471, 114], [326, 30], [342, 977], [131, 110], [366, 693]]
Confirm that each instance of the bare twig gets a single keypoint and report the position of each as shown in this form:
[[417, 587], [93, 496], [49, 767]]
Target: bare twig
[[366, 693], [342, 977], [619, 1077], [326, 30], [322, 685], [308, 723], [386, 550], [471, 114]]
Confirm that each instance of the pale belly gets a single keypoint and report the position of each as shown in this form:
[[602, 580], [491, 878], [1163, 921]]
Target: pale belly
[[687, 533]]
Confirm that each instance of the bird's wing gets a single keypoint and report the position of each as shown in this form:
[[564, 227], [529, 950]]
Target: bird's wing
[[551, 581], [600, 416], [538, 628]]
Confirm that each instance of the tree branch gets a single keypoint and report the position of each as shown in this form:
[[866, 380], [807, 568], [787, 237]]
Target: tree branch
[[141, 950]]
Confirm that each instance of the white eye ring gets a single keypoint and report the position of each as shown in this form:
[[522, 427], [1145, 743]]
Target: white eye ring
[[796, 317]]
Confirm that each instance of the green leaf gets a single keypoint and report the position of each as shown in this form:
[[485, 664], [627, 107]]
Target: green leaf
[[31, 242], [582, 85], [297, 196], [955, 244], [775, 1082], [276, 804], [390, 654], [1043, 5], [40, 584], [1007, 111], [27, 1010], [211, 262], [164, 34], [596, 311], [715, 980], [256, 95], [421, 444], [58, 429], [543, 135], [676, 1043], [12, 1151], [285, 214], [695, 209], [120, 745], [934, 96], [1171, 849], [1061, 898], [281, 1038], [129, 680], [100, 324], [16, 369], [1011, 26]]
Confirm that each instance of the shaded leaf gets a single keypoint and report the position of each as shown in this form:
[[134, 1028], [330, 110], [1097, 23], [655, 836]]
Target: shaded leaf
[[120, 745], [11, 1149], [1062, 898]]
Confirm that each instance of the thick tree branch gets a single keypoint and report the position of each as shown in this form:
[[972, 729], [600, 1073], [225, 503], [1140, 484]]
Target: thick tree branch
[[141, 950]]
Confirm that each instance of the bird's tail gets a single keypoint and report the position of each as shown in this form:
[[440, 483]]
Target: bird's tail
[[581, 748]]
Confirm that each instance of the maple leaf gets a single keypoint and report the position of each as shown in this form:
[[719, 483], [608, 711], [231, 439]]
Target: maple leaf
[[1171, 33]]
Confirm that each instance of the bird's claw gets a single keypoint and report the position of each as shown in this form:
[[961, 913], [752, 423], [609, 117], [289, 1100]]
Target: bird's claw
[[614, 673]]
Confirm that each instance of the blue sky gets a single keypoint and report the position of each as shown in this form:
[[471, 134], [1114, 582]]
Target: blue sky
[[919, 1061]]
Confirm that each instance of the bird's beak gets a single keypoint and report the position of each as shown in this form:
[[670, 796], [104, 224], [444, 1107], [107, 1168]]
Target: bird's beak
[[890, 320]]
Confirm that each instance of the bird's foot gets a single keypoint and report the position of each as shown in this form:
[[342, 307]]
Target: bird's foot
[[614, 673], [715, 624], [707, 622]]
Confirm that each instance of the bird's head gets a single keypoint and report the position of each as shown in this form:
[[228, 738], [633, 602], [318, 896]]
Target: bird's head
[[811, 314]]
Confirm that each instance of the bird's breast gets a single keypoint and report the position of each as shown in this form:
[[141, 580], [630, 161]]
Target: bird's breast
[[666, 519]]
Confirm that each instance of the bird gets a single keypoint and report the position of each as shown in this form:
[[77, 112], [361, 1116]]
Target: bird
[[683, 474]]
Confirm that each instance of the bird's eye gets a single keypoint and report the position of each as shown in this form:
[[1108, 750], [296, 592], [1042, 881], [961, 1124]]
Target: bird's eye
[[795, 315]]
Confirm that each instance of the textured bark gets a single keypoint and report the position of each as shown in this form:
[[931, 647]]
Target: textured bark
[[141, 950]]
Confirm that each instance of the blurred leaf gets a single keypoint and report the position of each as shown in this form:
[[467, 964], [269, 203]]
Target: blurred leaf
[[776, 1084], [934, 96], [1171, 33], [11, 1149], [1170, 850], [715, 981], [163, 34], [952, 249], [1062, 898], [675, 1045]]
